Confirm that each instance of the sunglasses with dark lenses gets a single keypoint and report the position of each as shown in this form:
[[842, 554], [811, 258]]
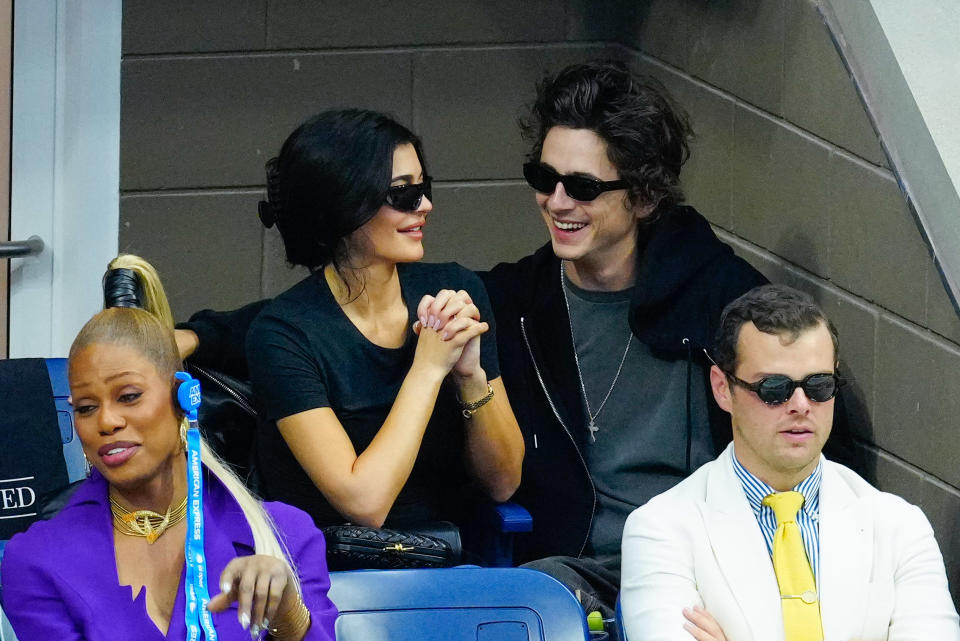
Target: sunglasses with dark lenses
[[545, 180], [409, 197], [778, 388]]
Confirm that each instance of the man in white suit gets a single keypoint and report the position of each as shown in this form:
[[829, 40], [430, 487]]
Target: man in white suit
[[697, 558]]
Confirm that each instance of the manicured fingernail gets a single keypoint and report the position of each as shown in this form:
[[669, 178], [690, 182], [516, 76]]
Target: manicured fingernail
[[244, 620], [444, 336], [254, 631], [431, 322], [225, 586], [423, 321], [266, 624]]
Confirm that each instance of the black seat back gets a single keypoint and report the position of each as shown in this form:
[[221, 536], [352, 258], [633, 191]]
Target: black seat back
[[32, 462]]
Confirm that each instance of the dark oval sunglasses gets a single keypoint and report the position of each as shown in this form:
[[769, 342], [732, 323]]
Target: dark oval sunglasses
[[545, 180], [409, 197], [778, 388]]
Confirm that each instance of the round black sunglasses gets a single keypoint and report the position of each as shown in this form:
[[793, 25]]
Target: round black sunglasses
[[544, 179], [778, 388]]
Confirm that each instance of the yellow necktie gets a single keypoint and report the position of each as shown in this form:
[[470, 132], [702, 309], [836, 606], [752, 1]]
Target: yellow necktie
[[798, 589]]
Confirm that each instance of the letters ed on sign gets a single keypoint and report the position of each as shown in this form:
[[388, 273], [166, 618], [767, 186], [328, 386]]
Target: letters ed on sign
[[17, 498]]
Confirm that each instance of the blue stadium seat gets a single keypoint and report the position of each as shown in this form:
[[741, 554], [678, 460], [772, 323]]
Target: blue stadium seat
[[72, 450], [455, 604], [494, 530]]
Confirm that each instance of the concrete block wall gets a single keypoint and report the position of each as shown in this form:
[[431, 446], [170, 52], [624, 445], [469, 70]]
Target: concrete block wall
[[211, 89], [788, 169]]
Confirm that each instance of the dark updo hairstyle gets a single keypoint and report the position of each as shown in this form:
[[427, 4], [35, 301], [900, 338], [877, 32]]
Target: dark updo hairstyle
[[330, 178], [645, 131]]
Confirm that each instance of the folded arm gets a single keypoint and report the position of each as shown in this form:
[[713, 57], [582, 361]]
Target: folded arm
[[922, 607], [658, 583]]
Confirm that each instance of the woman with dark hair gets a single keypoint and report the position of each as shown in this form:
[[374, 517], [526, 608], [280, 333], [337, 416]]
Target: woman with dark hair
[[112, 564], [376, 415]]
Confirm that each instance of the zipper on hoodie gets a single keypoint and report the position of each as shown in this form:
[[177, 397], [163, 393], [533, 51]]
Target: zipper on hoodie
[[593, 509], [237, 396]]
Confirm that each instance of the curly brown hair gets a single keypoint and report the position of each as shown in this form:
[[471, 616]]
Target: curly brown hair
[[646, 133]]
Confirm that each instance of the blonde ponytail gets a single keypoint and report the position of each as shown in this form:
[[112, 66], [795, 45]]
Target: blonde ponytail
[[155, 298]]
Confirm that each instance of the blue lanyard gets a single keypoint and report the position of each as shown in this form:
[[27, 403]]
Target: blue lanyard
[[195, 613]]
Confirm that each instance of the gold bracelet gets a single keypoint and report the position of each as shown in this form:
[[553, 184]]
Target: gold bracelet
[[469, 409], [299, 621]]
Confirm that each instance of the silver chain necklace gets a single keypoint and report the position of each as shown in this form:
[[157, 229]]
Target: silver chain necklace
[[592, 425]]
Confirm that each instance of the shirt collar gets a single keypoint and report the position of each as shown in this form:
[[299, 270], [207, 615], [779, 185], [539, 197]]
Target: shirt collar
[[755, 489]]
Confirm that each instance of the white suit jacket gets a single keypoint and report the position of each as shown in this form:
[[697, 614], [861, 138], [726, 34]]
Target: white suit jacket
[[881, 574]]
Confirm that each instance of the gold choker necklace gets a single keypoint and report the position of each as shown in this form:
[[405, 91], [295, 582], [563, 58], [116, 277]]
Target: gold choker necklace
[[146, 523]]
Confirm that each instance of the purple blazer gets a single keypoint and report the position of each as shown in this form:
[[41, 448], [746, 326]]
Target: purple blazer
[[60, 576]]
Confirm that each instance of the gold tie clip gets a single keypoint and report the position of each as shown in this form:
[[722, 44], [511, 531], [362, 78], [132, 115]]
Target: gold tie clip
[[810, 596]]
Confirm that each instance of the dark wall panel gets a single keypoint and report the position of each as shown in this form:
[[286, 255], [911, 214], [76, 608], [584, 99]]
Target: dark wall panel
[[212, 121], [179, 26], [480, 225], [467, 102], [779, 190], [295, 24], [206, 246]]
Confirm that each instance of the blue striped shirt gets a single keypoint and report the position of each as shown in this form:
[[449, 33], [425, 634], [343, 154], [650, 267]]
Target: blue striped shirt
[[808, 519]]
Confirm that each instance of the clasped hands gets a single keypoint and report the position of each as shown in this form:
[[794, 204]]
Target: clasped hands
[[454, 320]]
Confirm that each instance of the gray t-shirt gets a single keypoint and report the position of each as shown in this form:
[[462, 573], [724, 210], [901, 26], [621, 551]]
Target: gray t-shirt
[[640, 445]]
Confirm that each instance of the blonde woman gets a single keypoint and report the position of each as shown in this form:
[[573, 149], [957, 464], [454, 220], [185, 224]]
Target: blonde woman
[[111, 564]]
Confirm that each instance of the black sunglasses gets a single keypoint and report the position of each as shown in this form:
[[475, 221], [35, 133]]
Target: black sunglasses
[[778, 388], [409, 197], [545, 180]]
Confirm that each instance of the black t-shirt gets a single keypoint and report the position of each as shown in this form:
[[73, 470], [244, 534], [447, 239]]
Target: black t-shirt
[[304, 353]]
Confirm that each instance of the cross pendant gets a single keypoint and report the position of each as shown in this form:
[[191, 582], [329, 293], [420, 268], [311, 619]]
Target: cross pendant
[[593, 431]]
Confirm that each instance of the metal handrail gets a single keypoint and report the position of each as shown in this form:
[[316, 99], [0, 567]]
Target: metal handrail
[[17, 248]]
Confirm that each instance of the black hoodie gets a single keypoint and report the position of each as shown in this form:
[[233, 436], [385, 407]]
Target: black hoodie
[[685, 277]]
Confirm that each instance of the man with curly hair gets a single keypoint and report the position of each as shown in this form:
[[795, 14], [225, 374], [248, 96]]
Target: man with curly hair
[[601, 331]]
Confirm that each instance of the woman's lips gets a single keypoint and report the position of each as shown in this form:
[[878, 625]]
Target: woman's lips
[[117, 453], [414, 231]]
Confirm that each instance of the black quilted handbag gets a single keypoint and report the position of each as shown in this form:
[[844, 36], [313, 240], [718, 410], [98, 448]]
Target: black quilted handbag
[[355, 547]]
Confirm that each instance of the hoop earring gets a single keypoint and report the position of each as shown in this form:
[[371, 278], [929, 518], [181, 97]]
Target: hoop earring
[[184, 426]]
